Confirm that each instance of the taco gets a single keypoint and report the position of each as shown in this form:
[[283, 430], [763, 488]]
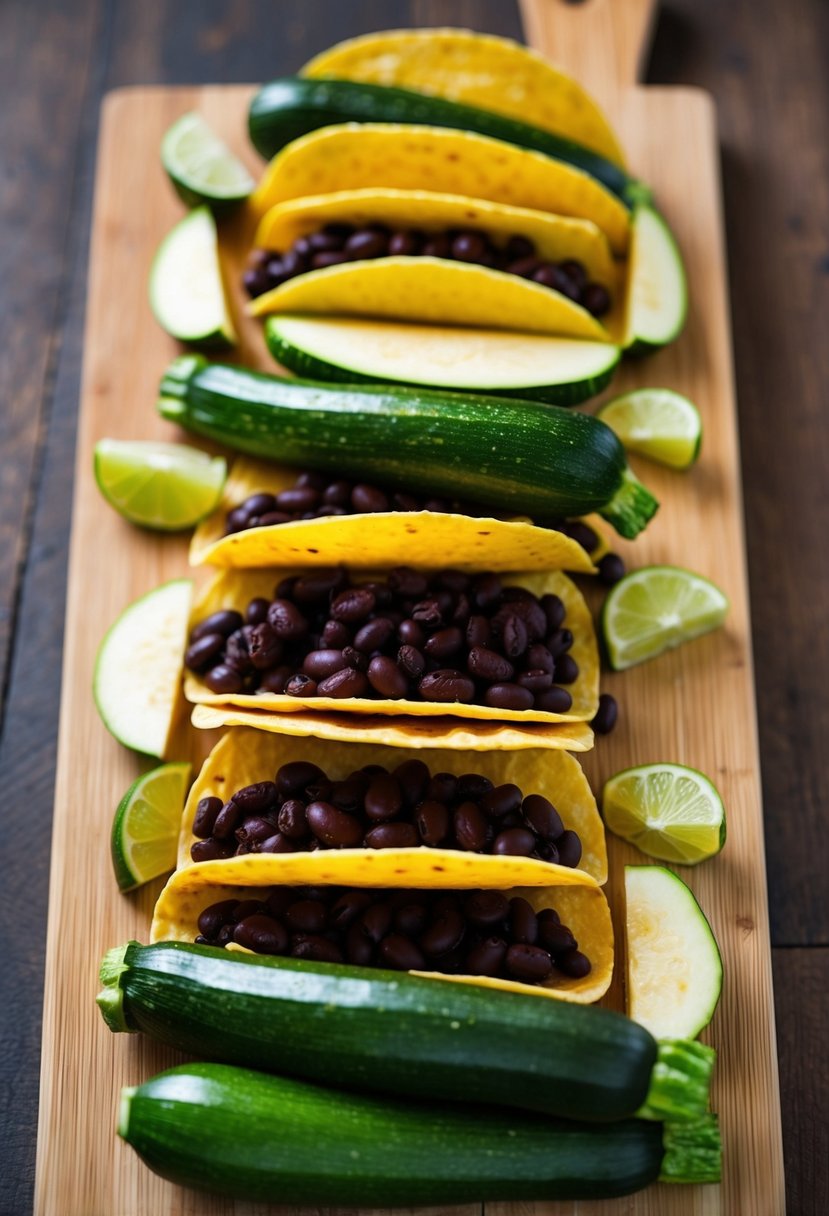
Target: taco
[[396, 156], [295, 653], [244, 758], [462, 541], [476, 69], [431, 257]]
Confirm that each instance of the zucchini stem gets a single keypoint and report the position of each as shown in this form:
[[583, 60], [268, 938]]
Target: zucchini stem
[[693, 1151], [680, 1081], [631, 507], [110, 999], [124, 1107]]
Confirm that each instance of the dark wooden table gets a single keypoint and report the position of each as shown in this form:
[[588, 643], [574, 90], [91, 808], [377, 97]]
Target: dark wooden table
[[765, 64]]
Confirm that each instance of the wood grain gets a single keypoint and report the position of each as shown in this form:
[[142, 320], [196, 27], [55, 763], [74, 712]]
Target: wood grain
[[695, 705]]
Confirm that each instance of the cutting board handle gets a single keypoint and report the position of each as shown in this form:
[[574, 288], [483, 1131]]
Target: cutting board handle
[[601, 42]]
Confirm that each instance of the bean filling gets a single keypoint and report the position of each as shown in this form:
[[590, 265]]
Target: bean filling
[[338, 243], [303, 810], [444, 638], [454, 932]]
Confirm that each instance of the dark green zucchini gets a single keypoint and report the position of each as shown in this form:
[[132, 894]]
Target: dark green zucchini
[[523, 457], [262, 1138], [400, 1034], [288, 108]]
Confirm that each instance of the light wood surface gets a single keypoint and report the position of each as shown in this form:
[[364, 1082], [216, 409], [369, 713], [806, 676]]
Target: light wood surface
[[695, 706]]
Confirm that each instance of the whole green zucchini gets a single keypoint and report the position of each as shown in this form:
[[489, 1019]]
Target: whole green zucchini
[[400, 1034], [288, 108], [265, 1138], [516, 456]]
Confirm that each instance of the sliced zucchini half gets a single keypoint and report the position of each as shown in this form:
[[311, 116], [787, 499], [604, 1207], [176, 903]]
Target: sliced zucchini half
[[558, 371], [187, 295], [657, 296]]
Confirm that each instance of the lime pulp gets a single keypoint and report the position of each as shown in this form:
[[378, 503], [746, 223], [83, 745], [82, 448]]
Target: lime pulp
[[655, 609], [145, 829], [167, 486], [668, 811], [657, 423], [201, 167]]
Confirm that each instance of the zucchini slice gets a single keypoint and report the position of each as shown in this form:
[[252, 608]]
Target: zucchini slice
[[559, 371], [186, 291], [657, 299], [469, 67]]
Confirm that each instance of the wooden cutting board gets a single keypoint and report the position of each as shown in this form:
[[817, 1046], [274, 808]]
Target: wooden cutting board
[[695, 706]]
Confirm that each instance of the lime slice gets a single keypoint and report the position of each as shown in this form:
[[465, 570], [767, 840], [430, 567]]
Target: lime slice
[[167, 486], [146, 825], [656, 608], [138, 669], [658, 423], [202, 168], [666, 810], [674, 968], [186, 291]]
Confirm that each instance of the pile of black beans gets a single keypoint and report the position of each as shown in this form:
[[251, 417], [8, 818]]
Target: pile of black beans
[[443, 637], [338, 243], [303, 809], [454, 932]]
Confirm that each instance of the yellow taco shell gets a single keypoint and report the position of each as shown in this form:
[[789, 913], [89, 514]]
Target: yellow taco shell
[[556, 237], [243, 757], [478, 70], [398, 156], [235, 589], [433, 290], [401, 730], [463, 542], [582, 907]]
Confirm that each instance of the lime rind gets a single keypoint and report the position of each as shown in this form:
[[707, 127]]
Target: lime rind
[[201, 167], [163, 486], [655, 609], [657, 423], [145, 829], [668, 811]]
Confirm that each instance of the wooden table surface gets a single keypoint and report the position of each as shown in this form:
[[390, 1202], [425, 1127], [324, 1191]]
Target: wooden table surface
[[765, 65]]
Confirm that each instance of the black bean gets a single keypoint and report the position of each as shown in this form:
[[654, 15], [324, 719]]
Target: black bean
[[559, 642], [295, 777], [574, 964], [375, 922], [374, 635], [542, 816], [596, 299], [569, 849], [412, 777], [392, 836], [487, 958], [386, 678], [301, 686], [508, 696], [551, 275], [407, 583], [432, 821], [403, 244], [554, 701], [286, 620], [514, 635], [556, 938], [528, 963], [256, 282], [204, 651], [347, 795], [519, 247], [353, 604], [502, 800], [278, 843], [400, 953], [254, 830], [298, 499], [345, 683], [411, 633], [514, 842], [486, 664], [548, 918], [225, 622], [223, 679], [486, 908], [436, 246], [332, 827], [259, 504], [535, 681], [366, 499], [469, 247], [486, 591], [554, 610], [253, 799], [411, 661], [291, 820], [444, 933], [355, 658], [257, 611], [321, 663], [205, 817], [427, 613], [445, 643], [522, 921], [212, 918], [611, 569], [525, 268], [367, 243], [227, 820], [262, 934], [212, 849], [383, 798], [446, 685], [359, 948], [582, 534], [306, 916], [318, 949], [567, 669], [347, 908], [236, 653], [316, 586], [575, 271], [606, 715], [469, 825], [335, 635], [442, 787], [411, 919], [472, 786]]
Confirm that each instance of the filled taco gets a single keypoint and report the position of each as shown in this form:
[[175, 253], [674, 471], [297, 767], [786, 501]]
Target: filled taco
[[423, 256], [408, 157], [423, 644], [525, 818], [258, 524]]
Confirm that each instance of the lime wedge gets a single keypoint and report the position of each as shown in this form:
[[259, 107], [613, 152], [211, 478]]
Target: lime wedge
[[186, 291], [666, 810], [657, 423], [656, 608], [167, 486], [146, 825], [138, 669], [202, 168], [674, 968]]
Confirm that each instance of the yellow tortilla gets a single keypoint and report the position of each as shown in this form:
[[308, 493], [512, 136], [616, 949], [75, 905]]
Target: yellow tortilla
[[433, 290], [398, 156], [427, 539], [401, 730], [236, 588], [478, 70], [243, 757], [583, 908], [556, 237]]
